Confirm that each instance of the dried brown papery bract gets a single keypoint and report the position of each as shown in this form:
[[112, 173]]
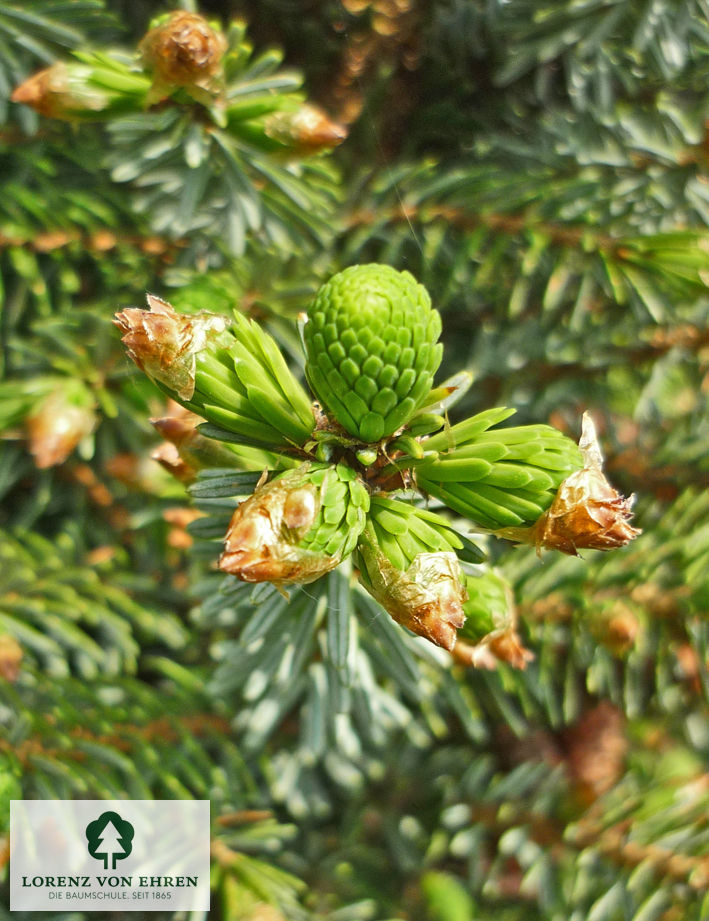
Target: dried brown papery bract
[[56, 426], [587, 513], [184, 51], [164, 343], [261, 544], [426, 599]]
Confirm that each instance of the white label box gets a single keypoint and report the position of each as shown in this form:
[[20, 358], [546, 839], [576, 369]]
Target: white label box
[[109, 855]]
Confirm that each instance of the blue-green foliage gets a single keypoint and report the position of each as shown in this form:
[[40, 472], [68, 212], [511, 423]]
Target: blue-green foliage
[[542, 170]]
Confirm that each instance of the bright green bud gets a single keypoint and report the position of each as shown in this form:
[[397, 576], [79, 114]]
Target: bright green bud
[[407, 561], [489, 607], [366, 456], [297, 527], [586, 513], [502, 477], [228, 371], [371, 345], [490, 630], [404, 530]]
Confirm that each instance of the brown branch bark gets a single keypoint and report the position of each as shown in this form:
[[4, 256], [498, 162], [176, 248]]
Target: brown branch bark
[[124, 738], [101, 241], [462, 219]]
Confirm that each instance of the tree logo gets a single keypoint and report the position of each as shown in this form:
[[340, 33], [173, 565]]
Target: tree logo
[[109, 838]]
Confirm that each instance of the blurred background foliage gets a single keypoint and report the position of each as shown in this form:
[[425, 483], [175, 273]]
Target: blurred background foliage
[[543, 168]]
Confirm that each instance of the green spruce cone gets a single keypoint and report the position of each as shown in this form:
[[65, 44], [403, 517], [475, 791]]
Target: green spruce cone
[[297, 527], [496, 477], [371, 342]]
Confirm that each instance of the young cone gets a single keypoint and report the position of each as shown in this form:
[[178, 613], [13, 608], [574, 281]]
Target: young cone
[[371, 345], [297, 527]]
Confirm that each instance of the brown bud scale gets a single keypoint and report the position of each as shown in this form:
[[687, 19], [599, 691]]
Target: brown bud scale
[[262, 542], [586, 514], [56, 427], [426, 599], [184, 50], [58, 92], [164, 343]]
